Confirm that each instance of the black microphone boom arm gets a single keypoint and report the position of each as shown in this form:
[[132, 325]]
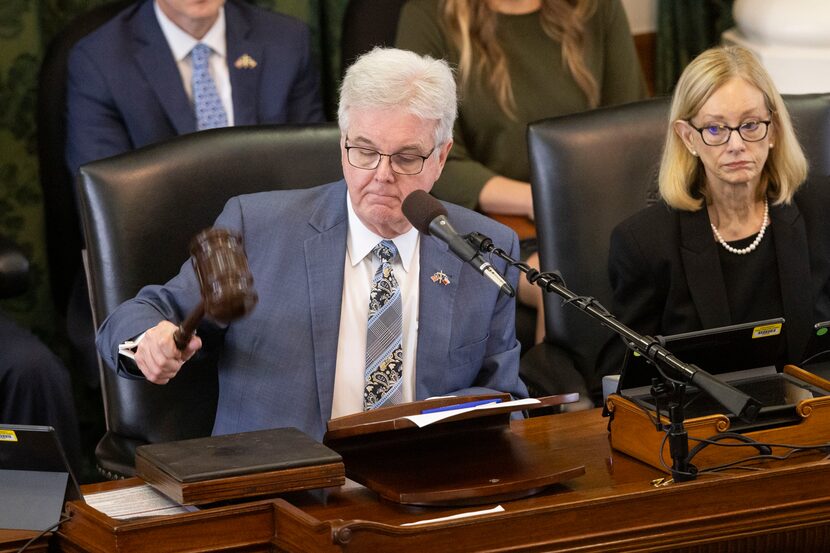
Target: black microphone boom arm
[[734, 400]]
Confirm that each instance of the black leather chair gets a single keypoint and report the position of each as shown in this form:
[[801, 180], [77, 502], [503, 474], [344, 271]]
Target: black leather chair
[[589, 172], [63, 230], [140, 211], [366, 24], [14, 269]]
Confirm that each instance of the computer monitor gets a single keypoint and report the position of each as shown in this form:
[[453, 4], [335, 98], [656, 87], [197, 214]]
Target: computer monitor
[[745, 356], [718, 351], [35, 477]]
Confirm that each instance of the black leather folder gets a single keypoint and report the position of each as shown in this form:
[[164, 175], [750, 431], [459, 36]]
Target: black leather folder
[[239, 465]]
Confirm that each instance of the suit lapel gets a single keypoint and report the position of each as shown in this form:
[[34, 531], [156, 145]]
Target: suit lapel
[[160, 70], [435, 314], [324, 264], [702, 267], [244, 79], [792, 251]]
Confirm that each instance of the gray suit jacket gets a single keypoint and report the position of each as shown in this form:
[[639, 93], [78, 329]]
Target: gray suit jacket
[[277, 365]]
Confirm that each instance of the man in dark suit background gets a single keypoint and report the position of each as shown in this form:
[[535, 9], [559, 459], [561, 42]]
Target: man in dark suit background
[[130, 80]]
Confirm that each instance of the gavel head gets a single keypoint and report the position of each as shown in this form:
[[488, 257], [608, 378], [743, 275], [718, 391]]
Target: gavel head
[[224, 276]]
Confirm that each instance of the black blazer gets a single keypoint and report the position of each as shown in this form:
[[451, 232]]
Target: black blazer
[[666, 276]]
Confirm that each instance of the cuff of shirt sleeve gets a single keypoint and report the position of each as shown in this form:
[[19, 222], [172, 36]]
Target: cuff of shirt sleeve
[[126, 358], [128, 348]]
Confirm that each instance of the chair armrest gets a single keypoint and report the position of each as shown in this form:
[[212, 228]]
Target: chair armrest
[[14, 269], [548, 370]]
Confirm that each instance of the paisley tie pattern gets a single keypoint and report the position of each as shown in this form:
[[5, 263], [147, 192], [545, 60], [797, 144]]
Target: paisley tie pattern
[[384, 351]]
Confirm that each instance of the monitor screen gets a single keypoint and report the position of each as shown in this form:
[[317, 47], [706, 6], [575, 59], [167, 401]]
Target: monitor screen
[[35, 477], [716, 350]]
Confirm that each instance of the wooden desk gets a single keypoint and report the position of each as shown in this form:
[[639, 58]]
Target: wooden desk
[[523, 226], [12, 540], [613, 507]]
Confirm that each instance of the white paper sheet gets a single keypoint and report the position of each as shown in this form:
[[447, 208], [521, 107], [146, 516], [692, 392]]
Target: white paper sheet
[[429, 418], [137, 501], [496, 509]]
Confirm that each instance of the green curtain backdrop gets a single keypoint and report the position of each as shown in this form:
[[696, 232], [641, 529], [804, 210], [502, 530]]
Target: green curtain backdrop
[[685, 28], [26, 28], [20, 205]]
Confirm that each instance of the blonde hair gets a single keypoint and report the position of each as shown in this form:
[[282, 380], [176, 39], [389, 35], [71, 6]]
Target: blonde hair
[[472, 27], [681, 180]]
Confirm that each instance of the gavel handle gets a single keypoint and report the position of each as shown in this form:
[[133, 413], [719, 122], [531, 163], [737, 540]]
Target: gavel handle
[[185, 331]]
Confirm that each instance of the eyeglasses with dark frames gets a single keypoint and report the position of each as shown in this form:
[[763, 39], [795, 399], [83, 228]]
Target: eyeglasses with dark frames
[[749, 131], [401, 163]]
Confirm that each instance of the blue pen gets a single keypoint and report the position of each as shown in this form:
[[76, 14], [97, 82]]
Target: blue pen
[[460, 406]]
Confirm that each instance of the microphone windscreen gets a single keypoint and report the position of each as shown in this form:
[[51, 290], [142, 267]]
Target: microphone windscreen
[[421, 209]]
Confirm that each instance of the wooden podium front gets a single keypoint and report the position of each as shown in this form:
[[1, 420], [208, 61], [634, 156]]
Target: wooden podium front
[[471, 457], [782, 507]]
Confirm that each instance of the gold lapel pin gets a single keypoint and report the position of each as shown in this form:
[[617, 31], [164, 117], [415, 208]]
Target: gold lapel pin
[[245, 62], [440, 278]]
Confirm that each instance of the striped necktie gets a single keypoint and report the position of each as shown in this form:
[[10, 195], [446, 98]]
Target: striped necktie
[[384, 351], [208, 107]]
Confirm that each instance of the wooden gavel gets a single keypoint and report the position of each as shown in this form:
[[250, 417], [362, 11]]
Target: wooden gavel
[[225, 281]]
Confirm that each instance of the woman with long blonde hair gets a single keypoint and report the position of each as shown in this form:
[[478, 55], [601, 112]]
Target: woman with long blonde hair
[[519, 61]]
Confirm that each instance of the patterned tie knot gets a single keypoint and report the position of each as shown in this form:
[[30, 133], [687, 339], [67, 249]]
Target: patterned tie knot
[[200, 54], [385, 251]]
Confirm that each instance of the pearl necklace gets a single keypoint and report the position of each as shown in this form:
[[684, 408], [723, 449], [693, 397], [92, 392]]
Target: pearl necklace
[[751, 247]]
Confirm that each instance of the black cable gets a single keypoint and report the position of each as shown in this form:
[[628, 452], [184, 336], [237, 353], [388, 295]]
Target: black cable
[[669, 469], [819, 354], [43, 533], [652, 413], [732, 464], [824, 446], [744, 439], [749, 442]]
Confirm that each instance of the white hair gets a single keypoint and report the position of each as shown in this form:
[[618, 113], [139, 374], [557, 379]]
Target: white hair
[[393, 78]]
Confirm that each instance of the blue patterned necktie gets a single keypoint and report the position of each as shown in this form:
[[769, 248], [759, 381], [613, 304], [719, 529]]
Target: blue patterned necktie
[[384, 351], [209, 110]]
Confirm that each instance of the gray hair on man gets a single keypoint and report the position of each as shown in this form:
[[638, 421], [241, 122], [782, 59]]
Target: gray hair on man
[[392, 78]]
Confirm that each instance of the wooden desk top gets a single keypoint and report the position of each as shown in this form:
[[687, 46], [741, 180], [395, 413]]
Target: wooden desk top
[[613, 507], [13, 540]]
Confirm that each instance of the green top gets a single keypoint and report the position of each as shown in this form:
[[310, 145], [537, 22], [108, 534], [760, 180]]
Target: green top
[[487, 141]]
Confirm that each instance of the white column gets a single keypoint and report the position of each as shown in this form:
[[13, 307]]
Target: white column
[[790, 37]]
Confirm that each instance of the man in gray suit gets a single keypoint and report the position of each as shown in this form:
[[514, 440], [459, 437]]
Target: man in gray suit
[[312, 349]]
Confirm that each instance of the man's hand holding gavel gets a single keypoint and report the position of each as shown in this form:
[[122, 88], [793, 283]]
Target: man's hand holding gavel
[[157, 356], [227, 294]]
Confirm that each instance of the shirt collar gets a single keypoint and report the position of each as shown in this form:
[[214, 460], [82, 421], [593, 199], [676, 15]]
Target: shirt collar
[[182, 43], [360, 241]]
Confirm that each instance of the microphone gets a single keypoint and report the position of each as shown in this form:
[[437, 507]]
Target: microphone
[[430, 217]]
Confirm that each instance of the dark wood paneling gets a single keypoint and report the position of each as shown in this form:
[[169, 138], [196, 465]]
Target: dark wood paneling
[[646, 45]]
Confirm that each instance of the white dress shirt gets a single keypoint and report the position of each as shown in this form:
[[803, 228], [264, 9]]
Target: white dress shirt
[[360, 267], [182, 43]]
